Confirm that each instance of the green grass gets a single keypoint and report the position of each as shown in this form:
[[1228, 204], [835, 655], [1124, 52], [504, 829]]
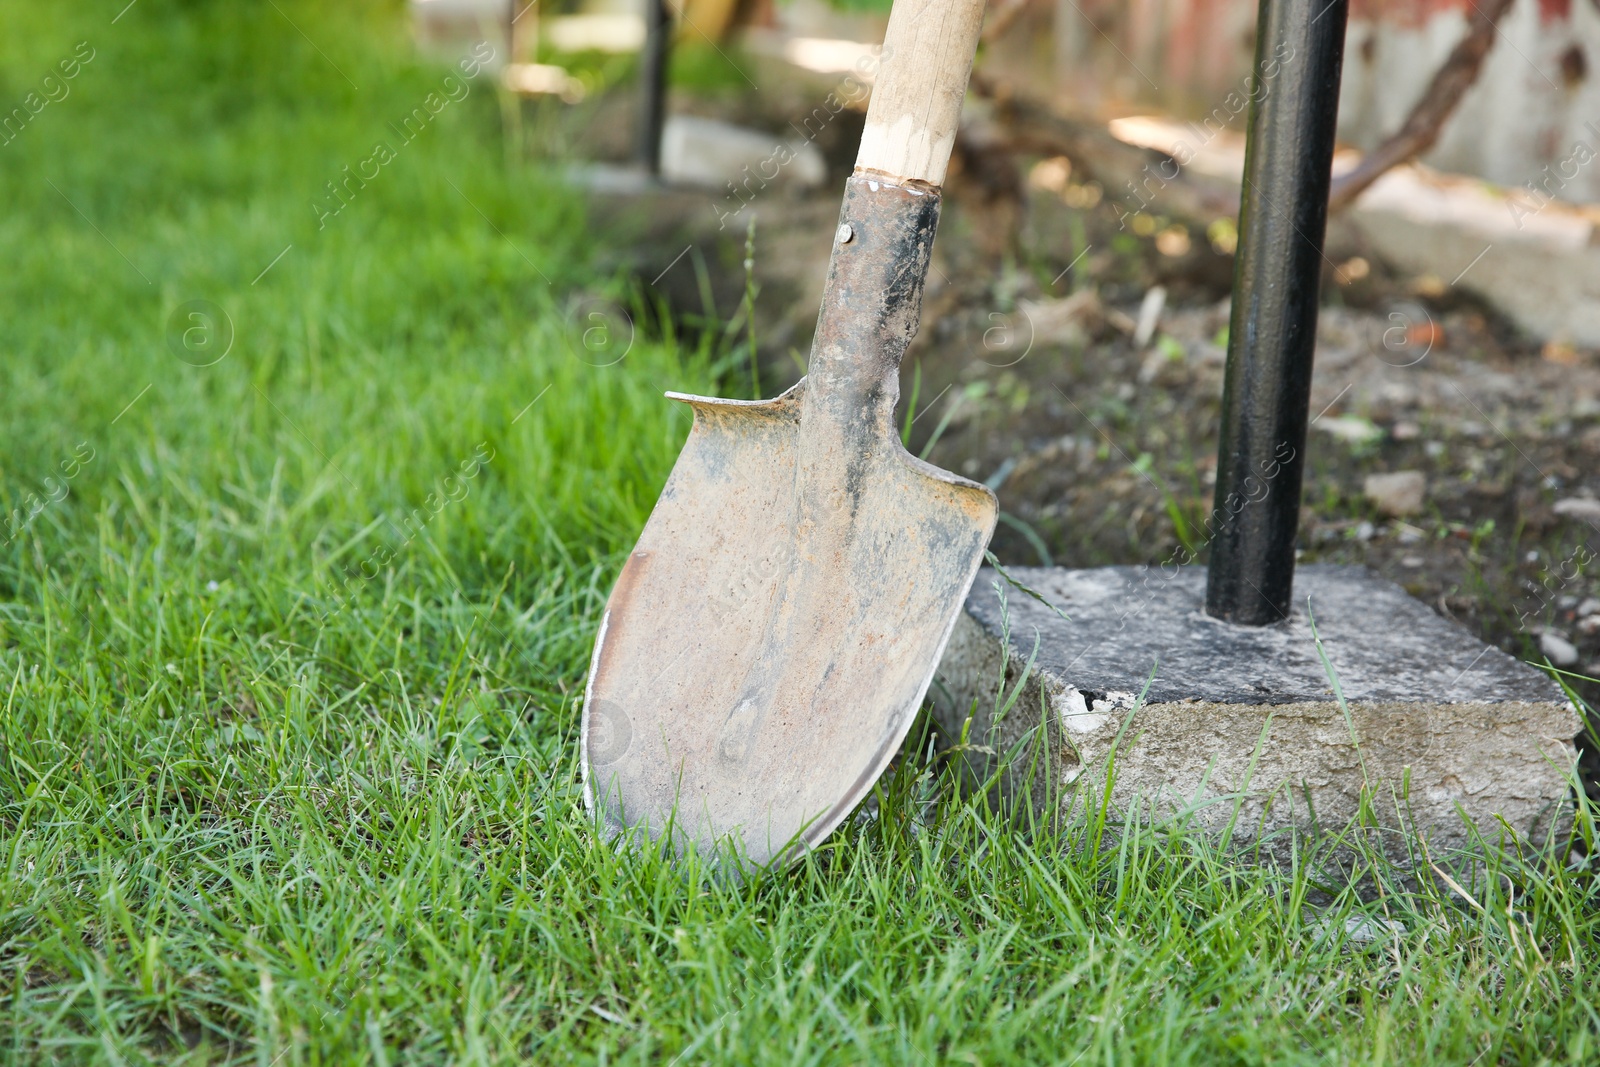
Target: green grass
[[287, 760]]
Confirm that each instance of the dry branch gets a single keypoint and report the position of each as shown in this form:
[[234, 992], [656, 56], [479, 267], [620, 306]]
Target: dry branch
[[1421, 128]]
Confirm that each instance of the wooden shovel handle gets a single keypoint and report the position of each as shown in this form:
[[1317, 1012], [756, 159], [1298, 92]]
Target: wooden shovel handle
[[916, 96]]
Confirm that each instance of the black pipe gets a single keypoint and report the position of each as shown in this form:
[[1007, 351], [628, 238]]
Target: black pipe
[[1266, 395], [653, 85]]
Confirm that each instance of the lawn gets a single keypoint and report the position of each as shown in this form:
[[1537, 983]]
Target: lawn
[[314, 493]]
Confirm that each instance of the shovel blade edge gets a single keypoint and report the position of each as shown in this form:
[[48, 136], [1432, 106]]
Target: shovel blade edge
[[751, 680]]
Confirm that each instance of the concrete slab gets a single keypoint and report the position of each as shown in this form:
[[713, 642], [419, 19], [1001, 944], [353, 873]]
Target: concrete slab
[[714, 154], [700, 153], [1440, 725]]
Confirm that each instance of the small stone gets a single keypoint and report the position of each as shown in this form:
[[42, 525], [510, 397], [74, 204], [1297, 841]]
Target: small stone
[[1589, 625], [1398, 494], [1560, 351], [1581, 508], [1365, 929], [1144, 328], [1405, 431], [1412, 561], [1430, 285], [1359, 931], [1365, 531], [1558, 649], [1589, 607], [1350, 428]]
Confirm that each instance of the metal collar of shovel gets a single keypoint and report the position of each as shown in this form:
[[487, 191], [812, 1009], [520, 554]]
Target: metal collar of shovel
[[771, 637]]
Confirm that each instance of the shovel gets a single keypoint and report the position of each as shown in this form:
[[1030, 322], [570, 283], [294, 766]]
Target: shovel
[[770, 639]]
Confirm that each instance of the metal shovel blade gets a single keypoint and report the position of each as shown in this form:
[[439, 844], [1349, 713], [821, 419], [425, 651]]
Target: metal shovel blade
[[771, 637]]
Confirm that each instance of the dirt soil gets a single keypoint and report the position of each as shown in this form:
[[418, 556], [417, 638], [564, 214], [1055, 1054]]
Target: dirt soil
[[1031, 373]]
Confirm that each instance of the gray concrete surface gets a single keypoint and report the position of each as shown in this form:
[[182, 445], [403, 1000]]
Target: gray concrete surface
[[1243, 724]]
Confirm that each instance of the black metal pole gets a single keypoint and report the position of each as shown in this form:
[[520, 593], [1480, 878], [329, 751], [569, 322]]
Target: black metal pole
[[1266, 394], [653, 84]]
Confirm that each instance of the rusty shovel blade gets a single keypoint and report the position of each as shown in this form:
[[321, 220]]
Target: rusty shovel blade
[[771, 637]]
